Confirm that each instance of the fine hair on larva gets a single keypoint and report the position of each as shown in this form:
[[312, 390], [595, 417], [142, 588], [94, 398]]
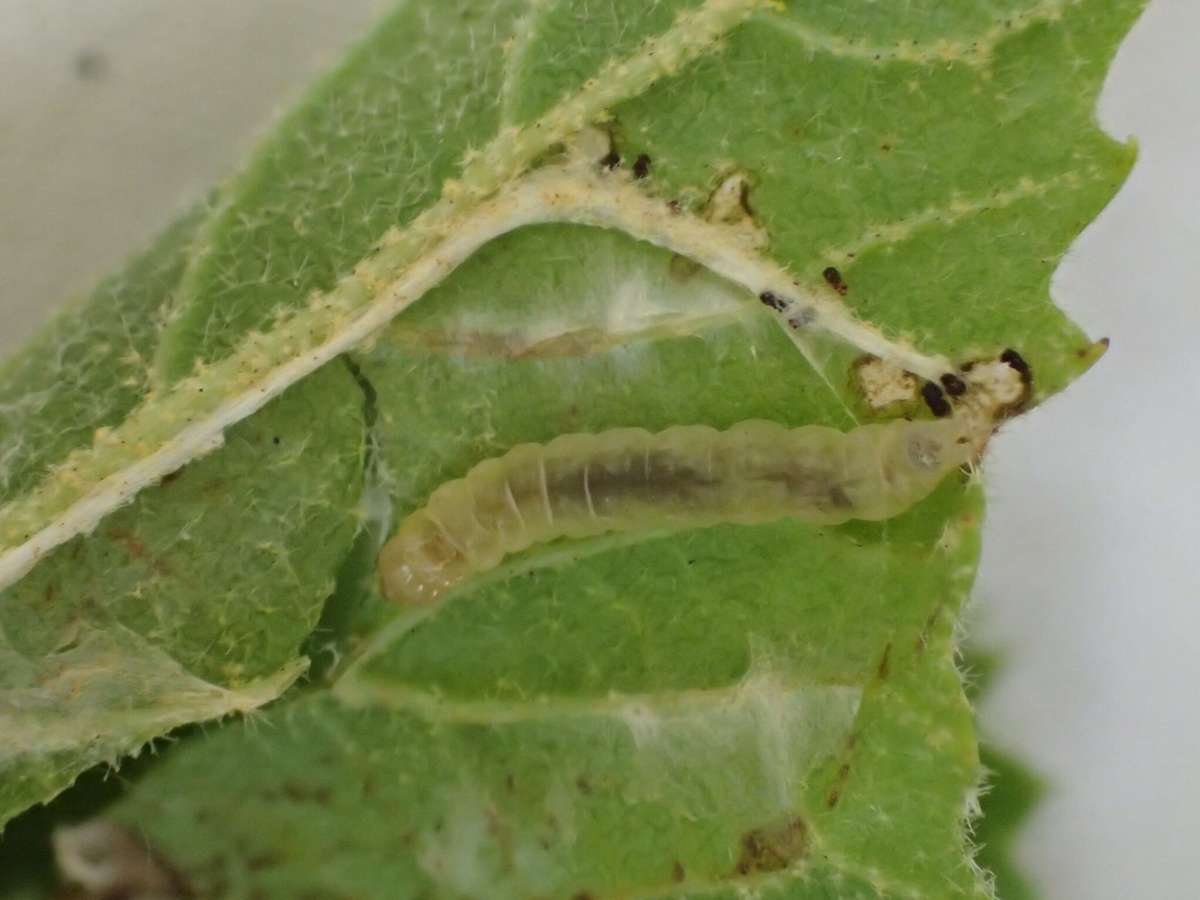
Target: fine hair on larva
[[688, 476]]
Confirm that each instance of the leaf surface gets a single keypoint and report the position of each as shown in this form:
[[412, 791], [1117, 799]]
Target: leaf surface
[[193, 602], [698, 713]]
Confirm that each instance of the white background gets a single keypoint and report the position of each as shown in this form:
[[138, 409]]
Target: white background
[[1090, 582]]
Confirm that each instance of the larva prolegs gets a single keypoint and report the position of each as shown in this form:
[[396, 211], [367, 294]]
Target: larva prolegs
[[692, 476]]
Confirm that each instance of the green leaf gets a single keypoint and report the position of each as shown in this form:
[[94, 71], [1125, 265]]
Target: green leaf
[[773, 708], [193, 602], [90, 366]]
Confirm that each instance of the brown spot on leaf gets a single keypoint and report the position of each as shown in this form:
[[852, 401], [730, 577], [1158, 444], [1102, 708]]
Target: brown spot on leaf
[[953, 385], [923, 638], [126, 539], [305, 793], [1016, 361], [834, 279], [839, 784], [935, 399], [773, 300], [885, 666], [773, 848], [218, 487], [268, 859]]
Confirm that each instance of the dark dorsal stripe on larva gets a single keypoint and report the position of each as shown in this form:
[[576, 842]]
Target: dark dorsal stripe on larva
[[691, 476]]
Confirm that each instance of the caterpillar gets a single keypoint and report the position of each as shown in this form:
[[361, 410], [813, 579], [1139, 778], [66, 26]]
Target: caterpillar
[[689, 476]]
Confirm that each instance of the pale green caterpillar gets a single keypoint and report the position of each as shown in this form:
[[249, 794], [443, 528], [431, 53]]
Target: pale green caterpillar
[[691, 476]]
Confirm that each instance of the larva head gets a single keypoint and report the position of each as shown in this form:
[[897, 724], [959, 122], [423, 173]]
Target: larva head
[[419, 563], [935, 447], [889, 467]]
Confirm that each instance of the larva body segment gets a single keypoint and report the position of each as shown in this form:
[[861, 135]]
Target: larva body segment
[[691, 476]]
